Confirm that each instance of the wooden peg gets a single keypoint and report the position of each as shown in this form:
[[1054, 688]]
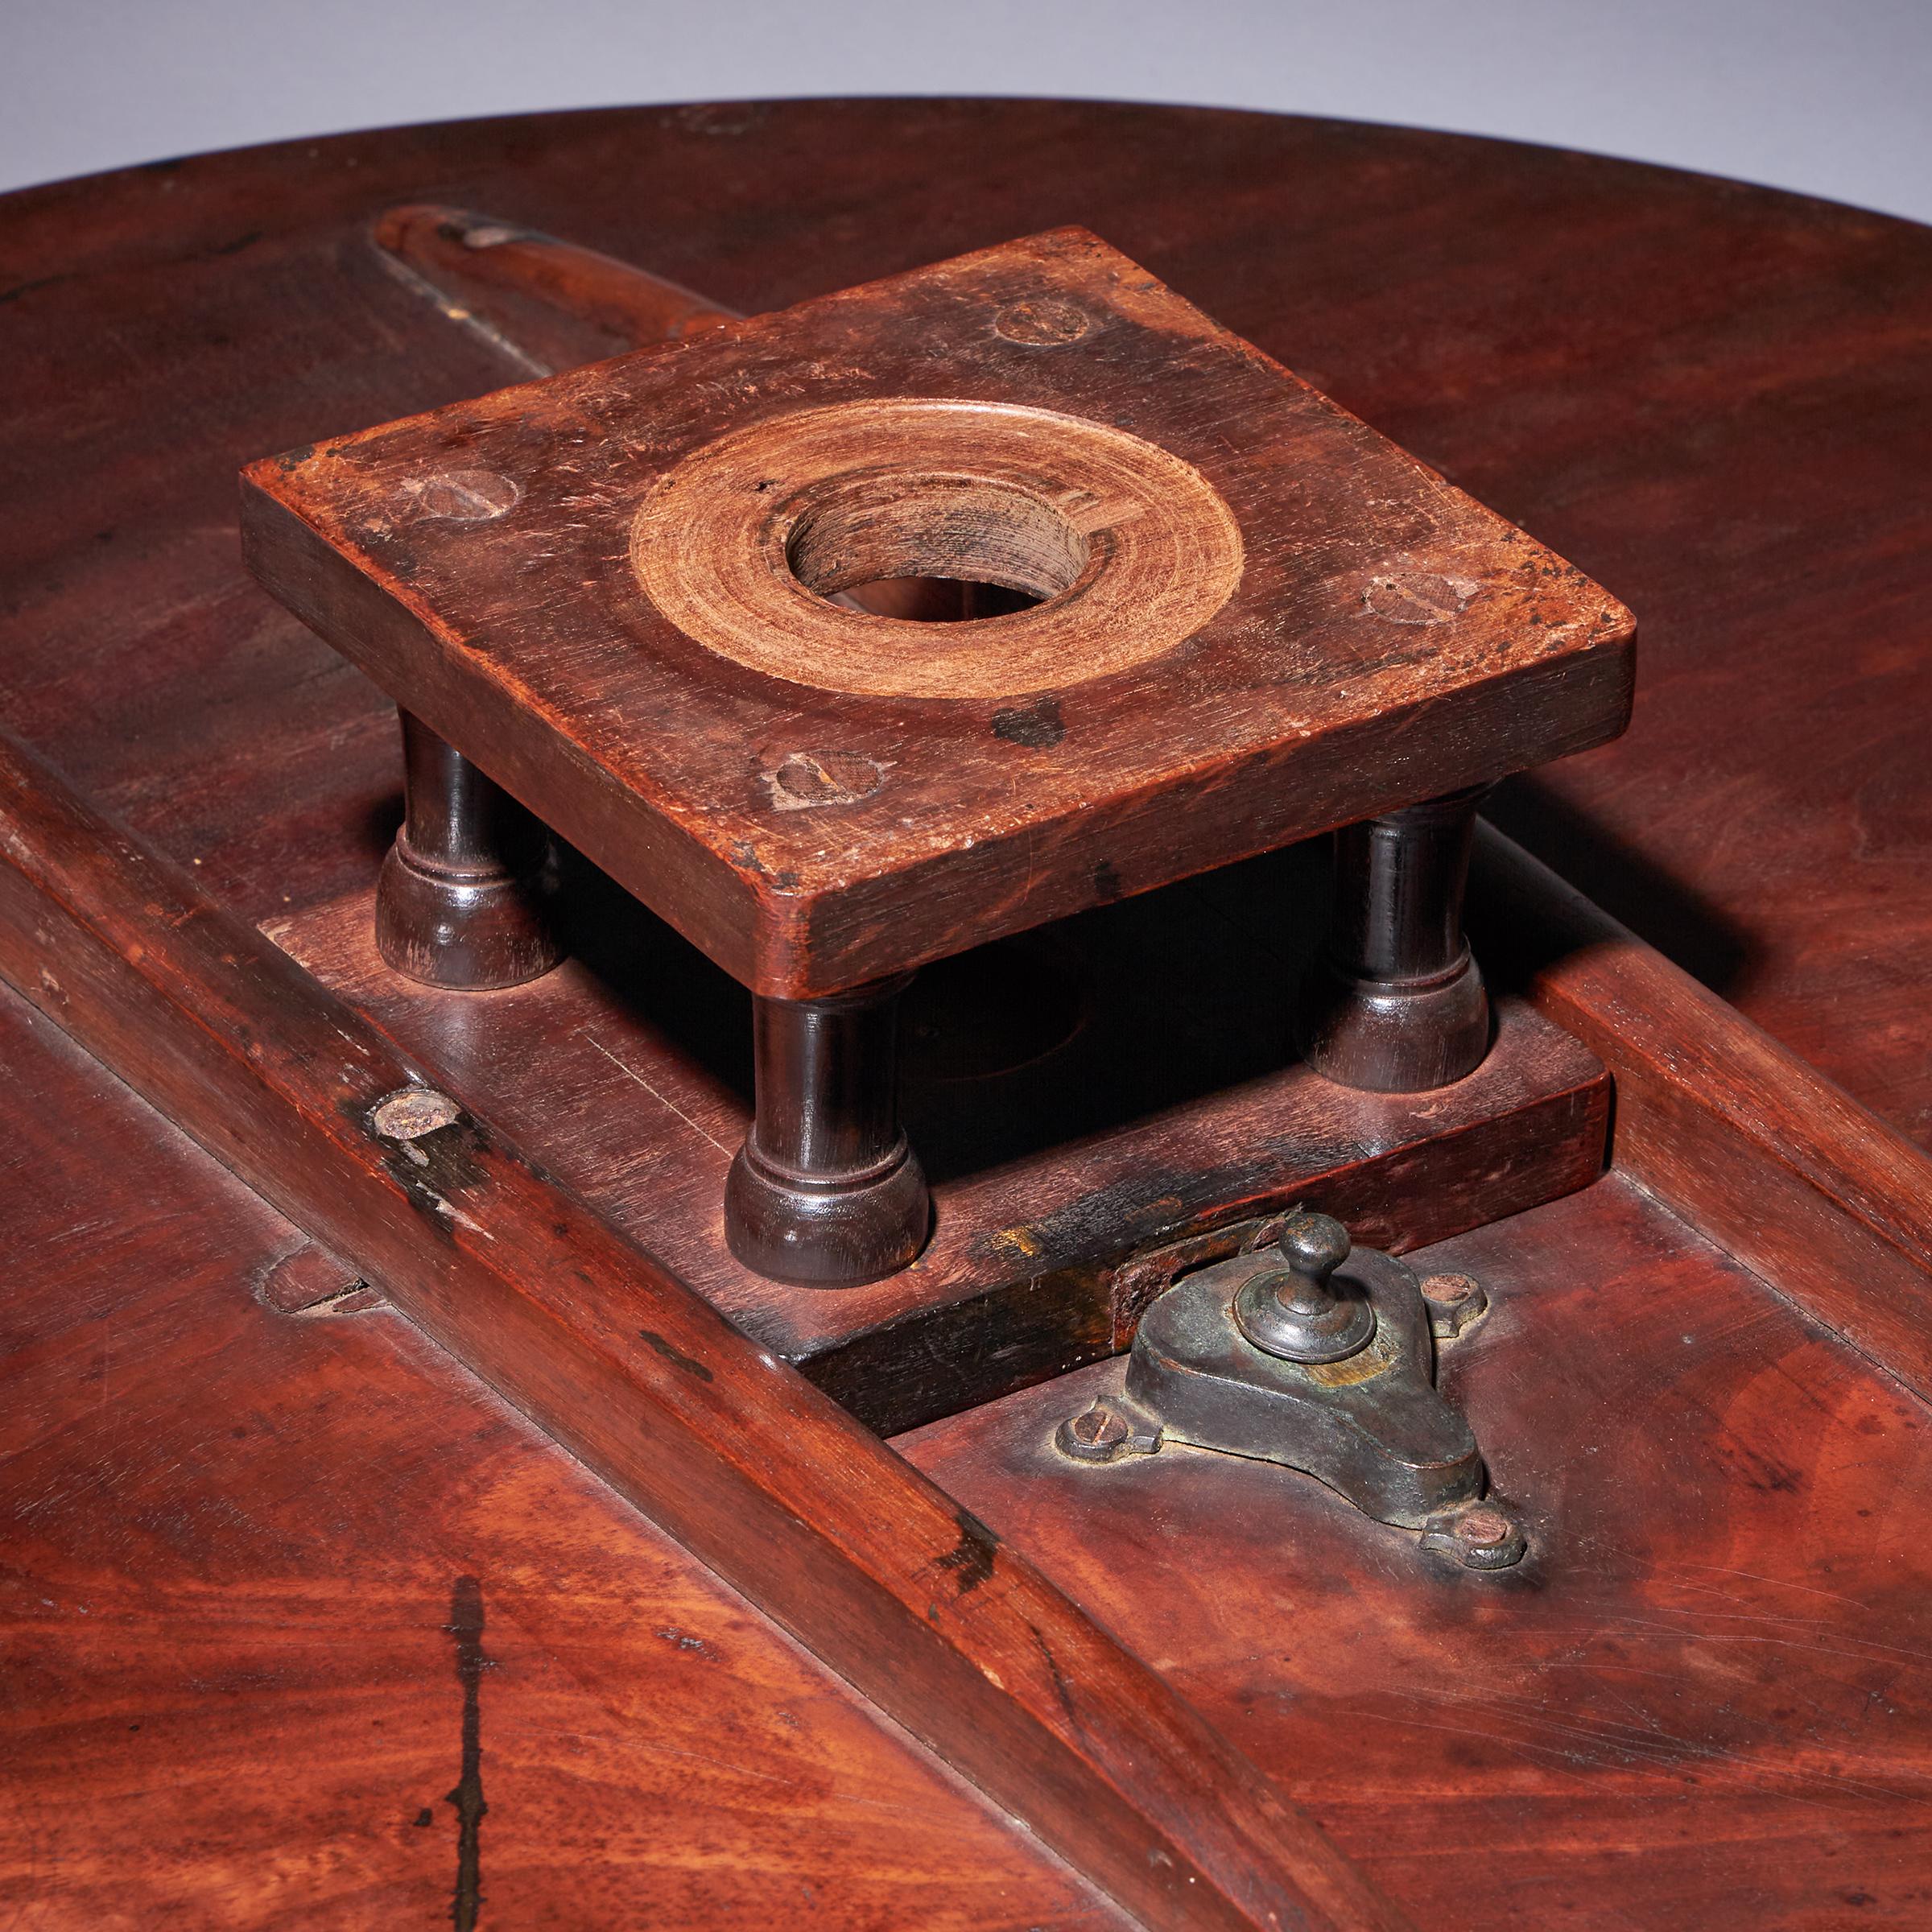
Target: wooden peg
[[466, 897], [826, 1191], [1398, 1004]]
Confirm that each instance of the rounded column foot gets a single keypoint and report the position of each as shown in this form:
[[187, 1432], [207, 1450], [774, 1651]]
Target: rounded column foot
[[820, 1234], [466, 931], [1397, 1036], [1396, 1005], [826, 1193], [468, 897]]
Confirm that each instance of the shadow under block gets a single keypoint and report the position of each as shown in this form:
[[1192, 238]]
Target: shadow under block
[[1083, 1097], [1257, 619]]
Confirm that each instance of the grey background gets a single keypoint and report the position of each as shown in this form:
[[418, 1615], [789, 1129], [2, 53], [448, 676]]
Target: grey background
[[1830, 98]]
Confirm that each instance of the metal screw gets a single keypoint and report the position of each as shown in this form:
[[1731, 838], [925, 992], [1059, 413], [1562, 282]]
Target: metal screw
[[1456, 1302], [1485, 1528], [1096, 1435], [412, 1112], [1479, 1536]]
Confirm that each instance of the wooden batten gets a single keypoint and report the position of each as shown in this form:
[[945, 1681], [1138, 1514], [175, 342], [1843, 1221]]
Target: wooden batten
[[547, 304], [1745, 1140], [869, 1565]]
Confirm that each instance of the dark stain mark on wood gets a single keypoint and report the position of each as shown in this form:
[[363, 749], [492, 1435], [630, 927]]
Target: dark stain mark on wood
[[1107, 887], [466, 1625], [1062, 1689], [972, 1560], [1038, 725], [675, 1355], [27, 288], [436, 1170], [426, 1201]]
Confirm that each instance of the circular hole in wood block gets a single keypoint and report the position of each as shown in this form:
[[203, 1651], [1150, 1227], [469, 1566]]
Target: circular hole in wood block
[[942, 549], [935, 600], [1116, 549]]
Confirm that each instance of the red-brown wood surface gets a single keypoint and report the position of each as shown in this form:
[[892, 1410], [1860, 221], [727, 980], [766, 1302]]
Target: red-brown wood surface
[[1257, 619], [1107, 1020], [1701, 1701], [547, 303], [1750, 1144], [761, 1476], [232, 1689], [1716, 400]]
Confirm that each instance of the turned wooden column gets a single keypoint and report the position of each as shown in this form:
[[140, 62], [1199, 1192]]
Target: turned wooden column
[[467, 896], [826, 1191], [822, 796], [1398, 1004]]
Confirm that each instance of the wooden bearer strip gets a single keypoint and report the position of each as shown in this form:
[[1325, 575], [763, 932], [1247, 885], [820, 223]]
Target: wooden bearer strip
[[874, 1569], [546, 303], [1751, 1145]]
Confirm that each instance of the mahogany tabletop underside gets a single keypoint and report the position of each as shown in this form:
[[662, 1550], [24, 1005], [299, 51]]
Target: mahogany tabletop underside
[[243, 1641], [1714, 399]]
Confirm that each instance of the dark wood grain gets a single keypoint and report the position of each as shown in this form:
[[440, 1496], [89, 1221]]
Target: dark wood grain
[[233, 1542], [740, 1459], [1698, 1703]]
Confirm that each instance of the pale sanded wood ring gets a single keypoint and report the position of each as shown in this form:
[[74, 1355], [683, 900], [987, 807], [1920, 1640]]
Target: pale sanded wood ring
[[741, 544]]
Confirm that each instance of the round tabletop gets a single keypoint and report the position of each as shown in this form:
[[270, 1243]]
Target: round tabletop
[[1715, 399]]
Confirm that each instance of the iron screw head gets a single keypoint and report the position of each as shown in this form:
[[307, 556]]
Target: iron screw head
[[1479, 1536], [412, 1112], [1095, 1435], [1456, 1302], [1484, 1529]]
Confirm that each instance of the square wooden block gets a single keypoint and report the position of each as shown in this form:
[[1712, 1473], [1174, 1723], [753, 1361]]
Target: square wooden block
[[624, 592]]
